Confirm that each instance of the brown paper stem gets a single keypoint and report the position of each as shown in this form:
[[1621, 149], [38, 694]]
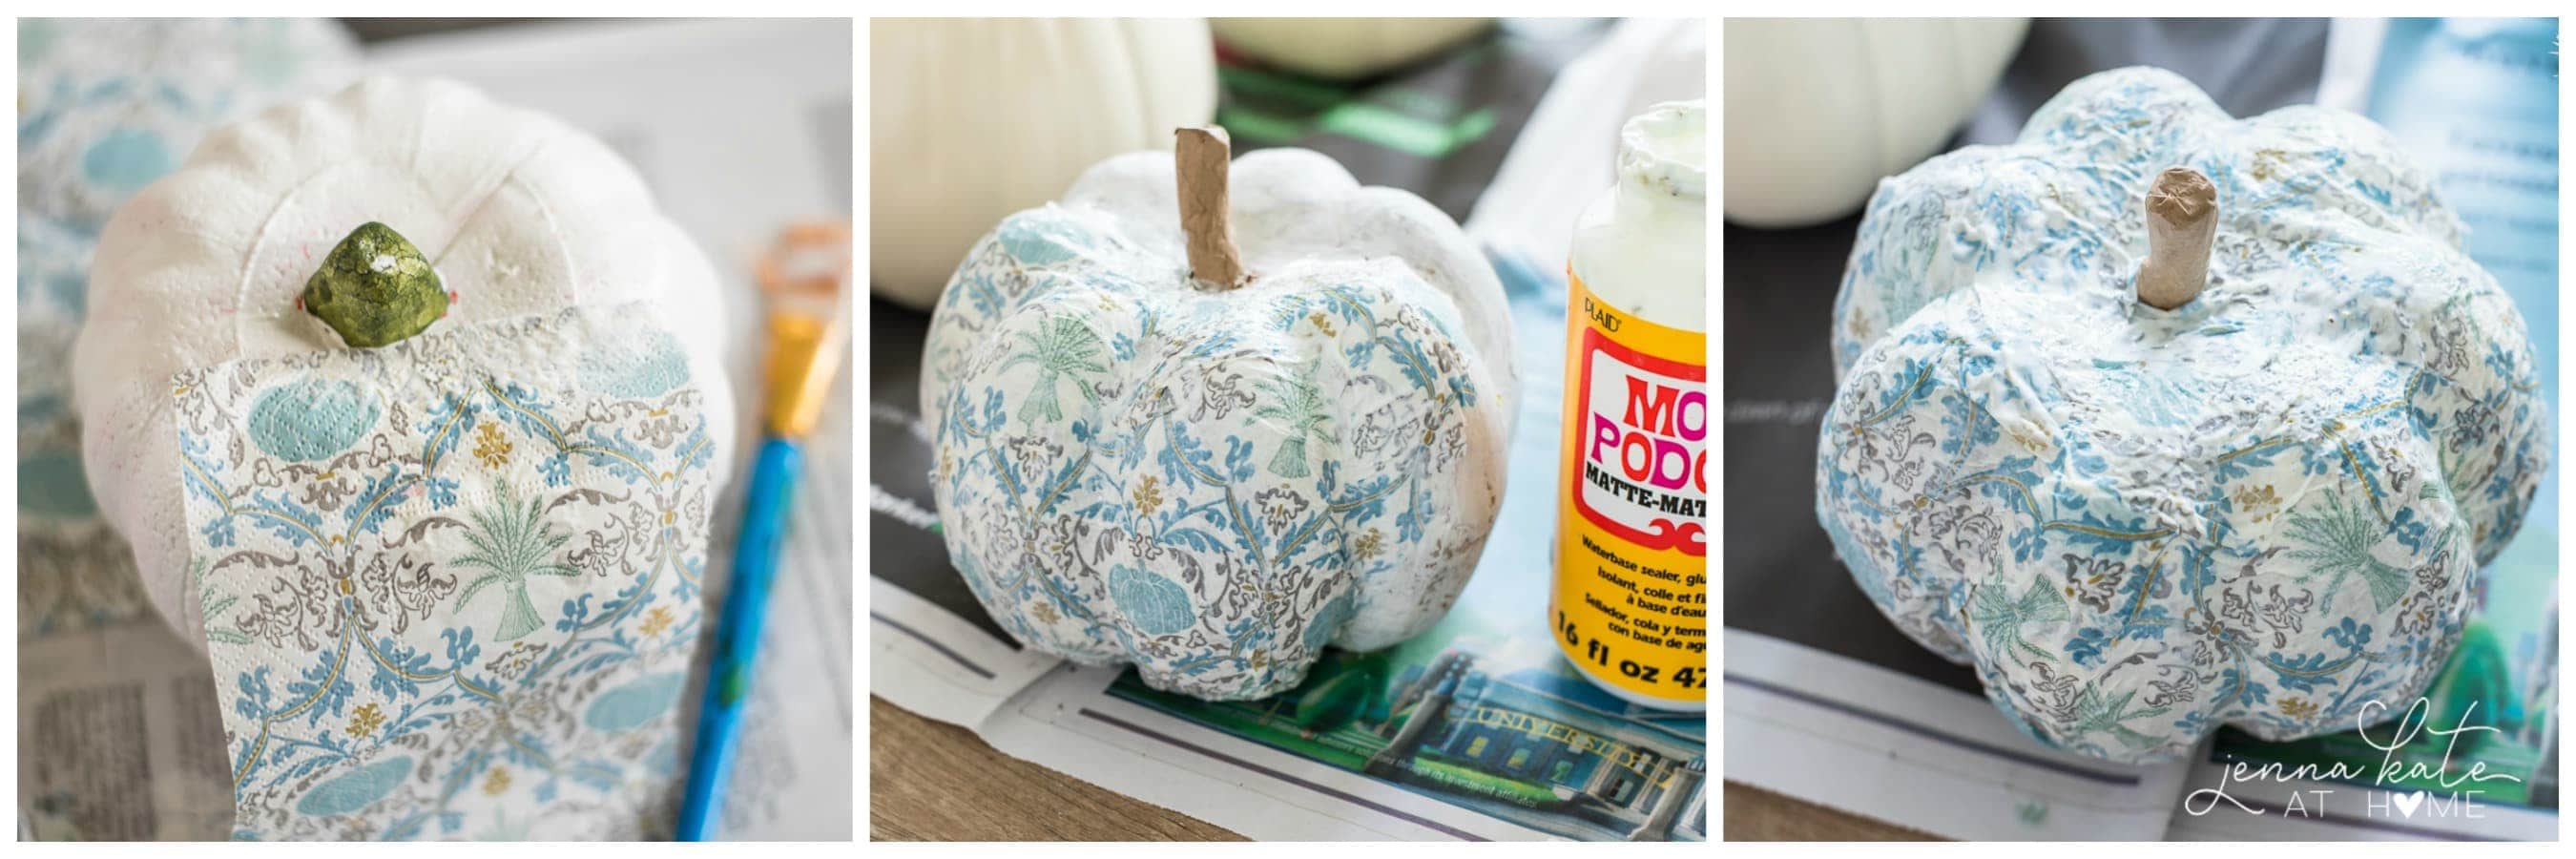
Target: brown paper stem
[[1200, 160], [2182, 217]]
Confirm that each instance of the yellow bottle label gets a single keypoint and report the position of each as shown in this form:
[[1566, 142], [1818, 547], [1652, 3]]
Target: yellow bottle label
[[1630, 603]]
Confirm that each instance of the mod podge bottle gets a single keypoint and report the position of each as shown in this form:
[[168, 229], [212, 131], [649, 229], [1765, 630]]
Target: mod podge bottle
[[1630, 602]]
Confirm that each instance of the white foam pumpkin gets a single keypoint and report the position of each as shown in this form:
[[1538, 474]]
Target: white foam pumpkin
[[1133, 464], [522, 216], [973, 119], [1344, 48], [1818, 110]]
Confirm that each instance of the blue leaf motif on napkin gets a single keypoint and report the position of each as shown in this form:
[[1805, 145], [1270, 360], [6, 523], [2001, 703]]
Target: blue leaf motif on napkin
[[126, 159], [1154, 604], [1328, 621], [55, 484], [1040, 238], [649, 368], [636, 703], [354, 791], [312, 418]]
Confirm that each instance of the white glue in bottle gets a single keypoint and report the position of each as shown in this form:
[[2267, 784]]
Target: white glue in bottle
[[1630, 601]]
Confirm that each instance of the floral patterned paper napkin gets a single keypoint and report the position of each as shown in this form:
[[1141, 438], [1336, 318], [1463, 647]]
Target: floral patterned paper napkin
[[451, 589]]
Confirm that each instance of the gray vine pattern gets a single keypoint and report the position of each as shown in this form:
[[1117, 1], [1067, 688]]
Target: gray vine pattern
[[2263, 509], [450, 592]]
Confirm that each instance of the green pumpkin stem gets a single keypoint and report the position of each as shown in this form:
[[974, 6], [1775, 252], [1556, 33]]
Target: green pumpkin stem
[[2182, 218], [375, 288], [1200, 161]]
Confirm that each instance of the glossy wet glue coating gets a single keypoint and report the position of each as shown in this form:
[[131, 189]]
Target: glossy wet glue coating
[[1630, 600], [2262, 505]]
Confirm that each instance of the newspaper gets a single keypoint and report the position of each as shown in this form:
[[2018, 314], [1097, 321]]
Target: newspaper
[[85, 698], [748, 127], [1528, 750], [1826, 702]]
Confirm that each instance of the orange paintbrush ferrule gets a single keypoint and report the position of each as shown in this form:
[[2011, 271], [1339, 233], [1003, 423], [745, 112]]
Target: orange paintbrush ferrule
[[806, 276]]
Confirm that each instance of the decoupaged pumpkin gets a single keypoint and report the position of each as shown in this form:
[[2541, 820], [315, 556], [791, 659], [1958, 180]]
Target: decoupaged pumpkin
[[410, 405], [2166, 420], [105, 106], [1152, 448], [995, 115]]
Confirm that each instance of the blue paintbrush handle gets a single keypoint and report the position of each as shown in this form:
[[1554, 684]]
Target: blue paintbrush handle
[[755, 566]]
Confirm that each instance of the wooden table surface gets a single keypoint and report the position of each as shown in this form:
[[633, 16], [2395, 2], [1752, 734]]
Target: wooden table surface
[[1754, 814], [933, 781]]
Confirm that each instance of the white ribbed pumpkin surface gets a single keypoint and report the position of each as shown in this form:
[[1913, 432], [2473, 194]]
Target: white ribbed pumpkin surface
[[521, 215]]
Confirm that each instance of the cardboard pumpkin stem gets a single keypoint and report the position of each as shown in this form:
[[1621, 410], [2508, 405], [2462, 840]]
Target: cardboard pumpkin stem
[[2182, 217], [1200, 162]]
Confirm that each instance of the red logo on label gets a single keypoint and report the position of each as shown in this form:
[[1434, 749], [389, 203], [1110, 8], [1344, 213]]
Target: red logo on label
[[1642, 472]]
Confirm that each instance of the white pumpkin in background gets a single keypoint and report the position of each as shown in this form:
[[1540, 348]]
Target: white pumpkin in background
[[1344, 48], [1675, 68], [970, 120], [1818, 110], [1147, 456], [521, 215]]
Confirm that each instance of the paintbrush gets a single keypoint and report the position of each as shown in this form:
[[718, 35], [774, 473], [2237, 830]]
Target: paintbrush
[[805, 278]]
